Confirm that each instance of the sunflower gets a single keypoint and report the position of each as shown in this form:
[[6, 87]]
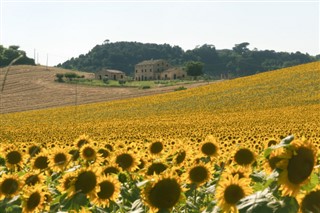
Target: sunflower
[[66, 183], [230, 190], [31, 179], [298, 168], [33, 199], [155, 148], [40, 161], [34, 149], [88, 152], [59, 160], [85, 182], [274, 159], [163, 193], [10, 185], [310, 202], [242, 172], [108, 189], [210, 146], [111, 169], [156, 168], [14, 158], [198, 174], [270, 142], [82, 140], [244, 157], [127, 161]]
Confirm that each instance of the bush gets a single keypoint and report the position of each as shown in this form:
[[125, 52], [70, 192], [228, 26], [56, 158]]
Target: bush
[[180, 88], [146, 87], [121, 82], [105, 80], [71, 75], [59, 77]]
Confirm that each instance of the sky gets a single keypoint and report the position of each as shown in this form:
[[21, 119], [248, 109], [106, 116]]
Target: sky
[[57, 30]]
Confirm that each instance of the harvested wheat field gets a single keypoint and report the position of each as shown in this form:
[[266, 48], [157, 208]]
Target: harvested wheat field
[[245, 145], [33, 87]]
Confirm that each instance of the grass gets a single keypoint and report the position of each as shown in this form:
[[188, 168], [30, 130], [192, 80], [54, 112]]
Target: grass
[[137, 84]]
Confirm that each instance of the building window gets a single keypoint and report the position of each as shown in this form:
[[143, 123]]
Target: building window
[[121, 76], [136, 71], [150, 70]]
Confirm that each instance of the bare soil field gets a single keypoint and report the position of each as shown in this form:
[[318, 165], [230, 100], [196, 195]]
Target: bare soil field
[[33, 87]]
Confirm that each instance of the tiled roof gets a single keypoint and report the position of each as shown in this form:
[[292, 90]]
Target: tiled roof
[[113, 71], [148, 62]]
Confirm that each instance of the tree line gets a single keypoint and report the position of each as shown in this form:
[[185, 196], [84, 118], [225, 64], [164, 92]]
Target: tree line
[[7, 55], [235, 62]]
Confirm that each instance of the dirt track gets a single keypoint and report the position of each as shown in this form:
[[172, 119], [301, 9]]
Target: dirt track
[[33, 87]]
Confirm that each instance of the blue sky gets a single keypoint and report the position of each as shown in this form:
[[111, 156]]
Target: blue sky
[[65, 29]]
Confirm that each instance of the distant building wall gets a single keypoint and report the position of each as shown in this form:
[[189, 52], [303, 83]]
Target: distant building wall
[[173, 73], [150, 69], [110, 74]]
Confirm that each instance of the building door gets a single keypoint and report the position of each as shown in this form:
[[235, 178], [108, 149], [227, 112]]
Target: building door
[[175, 76], [114, 77], [142, 78]]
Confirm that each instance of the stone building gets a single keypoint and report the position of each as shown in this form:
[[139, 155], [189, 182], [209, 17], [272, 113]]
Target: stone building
[[110, 74], [157, 70]]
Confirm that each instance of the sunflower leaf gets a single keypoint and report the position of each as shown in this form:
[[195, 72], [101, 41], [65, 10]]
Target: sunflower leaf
[[284, 143], [314, 181]]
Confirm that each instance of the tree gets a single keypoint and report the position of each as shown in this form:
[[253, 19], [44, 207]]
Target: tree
[[59, 77], [70, 75], [194, 68]]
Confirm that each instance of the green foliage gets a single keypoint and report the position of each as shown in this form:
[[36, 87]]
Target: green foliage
[[239, 61], [59, 77], [194, 68], [71, 75], [9, 54], [180, 88]]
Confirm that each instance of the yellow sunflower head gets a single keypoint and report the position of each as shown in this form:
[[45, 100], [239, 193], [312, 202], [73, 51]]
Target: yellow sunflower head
[[66, 183], [244, 157], [88, 152], [10, 185], [274, 160], [209, 146], [34, 149], [156, 147], [33, 199], [156, 168], [82, 140], [298, 168], [14, 158], [41, 160], [86, 182], [126, 160], [59, 160], [111, 169], [162, 193], [230, 191], [32, 179], [232, 171], [198, 174], [108, 189], [310, 202]]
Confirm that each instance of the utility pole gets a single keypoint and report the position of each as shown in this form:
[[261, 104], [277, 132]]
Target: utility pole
[[34, 56], [37, 58], [47, 60]]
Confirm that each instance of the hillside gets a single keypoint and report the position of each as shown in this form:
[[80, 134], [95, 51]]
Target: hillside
[[272, 104], [235, 62], [33, 87]]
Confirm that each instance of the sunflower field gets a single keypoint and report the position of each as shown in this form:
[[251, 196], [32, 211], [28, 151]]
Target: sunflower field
[[249, 144]]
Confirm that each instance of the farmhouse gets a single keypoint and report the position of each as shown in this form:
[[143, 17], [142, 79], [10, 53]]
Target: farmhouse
[[157, 70], [110, 74]]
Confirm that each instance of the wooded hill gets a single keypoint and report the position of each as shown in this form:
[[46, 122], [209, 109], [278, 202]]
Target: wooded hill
[[235, 62]]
